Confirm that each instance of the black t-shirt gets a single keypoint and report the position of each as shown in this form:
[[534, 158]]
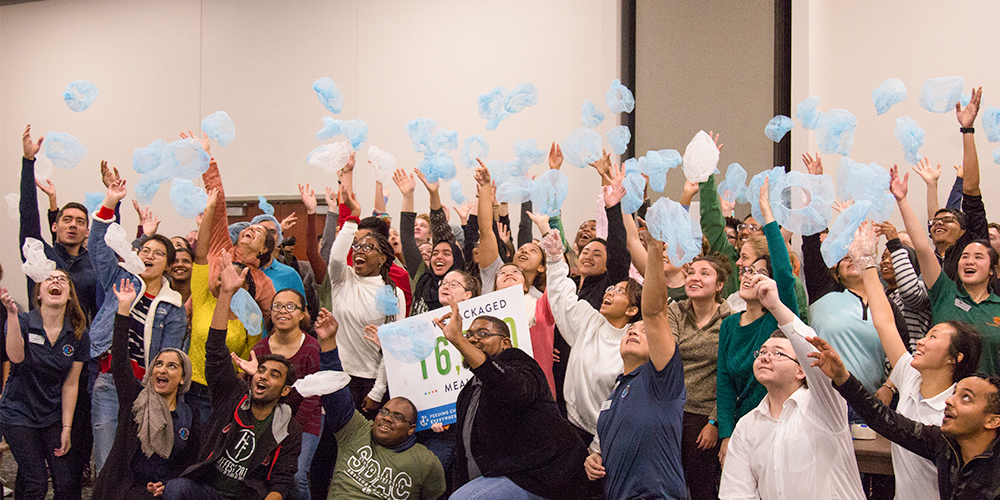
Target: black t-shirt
[[156, 468], [234, 463]]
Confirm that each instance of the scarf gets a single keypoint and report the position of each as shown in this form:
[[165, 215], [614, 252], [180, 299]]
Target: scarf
[[152, 413]]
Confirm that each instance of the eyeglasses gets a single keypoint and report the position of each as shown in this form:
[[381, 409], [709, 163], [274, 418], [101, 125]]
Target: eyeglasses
[[947, 219], [363, 247], [57, 278], [396, 417], [752, 271], [159, 254], [276, 307], [452, 284], [614, 290], [481, 334], [510, 271], [753, 228], [773, 355]]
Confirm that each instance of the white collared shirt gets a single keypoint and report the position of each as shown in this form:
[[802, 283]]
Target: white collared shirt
[[916, 477], [806, 453]]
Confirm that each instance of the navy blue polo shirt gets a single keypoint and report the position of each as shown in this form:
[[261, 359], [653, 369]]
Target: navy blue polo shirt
[[33, 396], [640, 432]]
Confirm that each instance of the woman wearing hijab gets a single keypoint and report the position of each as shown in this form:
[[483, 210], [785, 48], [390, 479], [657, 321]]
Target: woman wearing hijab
[[157, 430]]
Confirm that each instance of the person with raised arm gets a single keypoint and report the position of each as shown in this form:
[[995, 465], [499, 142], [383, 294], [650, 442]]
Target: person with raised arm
[[964, 448], [796, 443], [970, 299], [158, 433], [737, 391], [46, 348], [903, 284], [924, 379], [640, 425], [158, 317], [251, 444]]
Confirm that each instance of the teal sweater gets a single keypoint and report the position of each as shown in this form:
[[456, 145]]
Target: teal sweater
[[737, 390]]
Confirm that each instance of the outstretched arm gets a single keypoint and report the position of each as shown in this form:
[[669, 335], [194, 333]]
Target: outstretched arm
[[970, 160], [489, 250], [654, 306], [862, 251], [15, 341], [930, 268], [930, 175]]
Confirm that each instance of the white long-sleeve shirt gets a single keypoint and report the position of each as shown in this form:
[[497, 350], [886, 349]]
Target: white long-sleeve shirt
[[595, 361], [806, 453], [353, 305]]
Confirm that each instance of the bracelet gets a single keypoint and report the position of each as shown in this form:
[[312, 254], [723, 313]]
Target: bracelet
[[713, 422], [967, 130], [891, 388], [70, 426]]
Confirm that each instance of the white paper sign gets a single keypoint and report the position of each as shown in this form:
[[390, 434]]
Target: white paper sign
[[433, 383]]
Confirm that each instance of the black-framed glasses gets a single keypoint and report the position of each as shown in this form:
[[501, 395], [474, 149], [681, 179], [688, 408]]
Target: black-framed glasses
[[144, 251], [363, 247], [57, 278], [452, 284], [481, 334], [750, 270], [276, 307], [754, 228], [773, 355], [945, 219], [396, 417]]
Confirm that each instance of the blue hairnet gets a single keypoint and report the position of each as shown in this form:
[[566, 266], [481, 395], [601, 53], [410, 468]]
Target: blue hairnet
[[656, 164], [455, 188], [836, 244], [421, 133], [184, 158], [80, 94], [940, 95], [515, 190], [523, 96], [991, 122], [911, 136], [619, 98], [148, 185], [247, 311], [590, 115], [410, 341], [811, 218], [500, 171], [549, 192], [582, 147], [734, 187], [752, 193], [386, 302], [147, 159], [996, 156], [235, 229], [93, 200], [632, 165], [356, 132], [860, 182], [64, 150], [330, 157], [500, 103], [188, 200], [700, 157], [777, 127], [528, 153], [219, 126], [264, 206], [446, 140], [619, 137], [268, 217], [835, 132], [329, 95], [890, 92], [807, 113], [635, 187], [474, 147], [331, 128], [670, 223], [438, 167]]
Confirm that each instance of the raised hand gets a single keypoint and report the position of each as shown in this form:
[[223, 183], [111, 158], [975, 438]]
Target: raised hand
[[126, 293], [614, 191], [555, 157], [349, 167], [482, 174], [929, 174], [463, 211], [213, 197], [147, 219], [8, 302], [50, 190], [289, 222], [862, 249], [30, 148], [432, 187], [332, 197], [108, 175], [231, 280], [766, 290], [765, 201], [897, 185], [348, 198], [813, 165], [715, 139], [967, 116], [959, 171], [453, 329], [840, 206], [326, 325], [503, 231], [308, 199], [553, 246], [828, 360], [206, 143], [116, 193], [404, 182], [603, 166], [540, 220], [248, 366], [886, 229]]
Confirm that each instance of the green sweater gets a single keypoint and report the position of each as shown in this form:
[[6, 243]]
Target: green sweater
[[737, 390]]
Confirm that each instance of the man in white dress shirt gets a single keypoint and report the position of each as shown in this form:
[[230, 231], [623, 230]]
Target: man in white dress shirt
[[796, 443]]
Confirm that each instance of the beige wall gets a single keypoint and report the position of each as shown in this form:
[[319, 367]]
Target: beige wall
[[705, 66], [162, 66]]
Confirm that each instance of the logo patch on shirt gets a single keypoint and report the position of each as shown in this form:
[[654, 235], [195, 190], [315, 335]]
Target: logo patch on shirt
[[183, 433], [625, 392], [67, 350]]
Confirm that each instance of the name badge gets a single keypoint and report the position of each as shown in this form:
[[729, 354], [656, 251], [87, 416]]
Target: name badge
[[35, 338], [961, 304], [606, 405]]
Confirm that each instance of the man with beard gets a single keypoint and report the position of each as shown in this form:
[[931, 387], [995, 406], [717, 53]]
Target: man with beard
[[513, 442], [251, 445]]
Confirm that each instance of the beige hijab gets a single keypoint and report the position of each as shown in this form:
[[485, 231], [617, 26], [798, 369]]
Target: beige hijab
[[152, 413]]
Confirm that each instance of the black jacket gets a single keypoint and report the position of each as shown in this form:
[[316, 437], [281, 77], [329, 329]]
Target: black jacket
[[518, 431], [277, 455], [116, 479], [979, 479]]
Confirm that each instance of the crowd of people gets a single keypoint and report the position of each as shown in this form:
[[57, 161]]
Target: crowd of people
[[739, 374]]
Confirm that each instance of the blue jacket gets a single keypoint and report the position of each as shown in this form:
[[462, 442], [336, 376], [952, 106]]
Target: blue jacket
[[166, 322], [79, 267]]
